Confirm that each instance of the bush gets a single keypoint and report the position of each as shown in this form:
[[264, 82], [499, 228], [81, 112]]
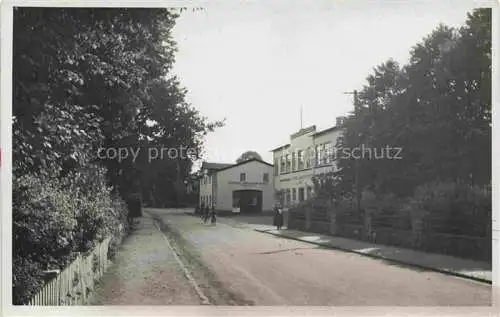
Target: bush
[[44, 221], [27, 279], [55, 219], [454, 208]]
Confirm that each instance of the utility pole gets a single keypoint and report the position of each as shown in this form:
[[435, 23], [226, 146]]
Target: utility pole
[[356, 161]]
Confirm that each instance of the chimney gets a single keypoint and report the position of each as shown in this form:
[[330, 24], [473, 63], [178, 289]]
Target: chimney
[[340, 121]]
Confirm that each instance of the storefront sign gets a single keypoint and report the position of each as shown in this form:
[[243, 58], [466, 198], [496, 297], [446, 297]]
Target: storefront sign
[[246, 183]]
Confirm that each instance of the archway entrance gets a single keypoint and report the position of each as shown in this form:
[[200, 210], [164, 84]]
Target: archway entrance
[[249, 201]]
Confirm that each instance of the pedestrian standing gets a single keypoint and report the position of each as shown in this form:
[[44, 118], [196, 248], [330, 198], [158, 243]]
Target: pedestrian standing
[[278, 218], [213, 218], [206, 212], [201, 209]]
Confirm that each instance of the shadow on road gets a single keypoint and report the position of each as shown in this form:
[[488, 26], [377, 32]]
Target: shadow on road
[[285, 250]]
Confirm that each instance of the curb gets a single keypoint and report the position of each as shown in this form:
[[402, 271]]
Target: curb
[[204, 299], [457, 274]]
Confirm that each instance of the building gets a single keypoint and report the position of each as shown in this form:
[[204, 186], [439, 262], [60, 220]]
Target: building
[[309, 153], [246, 187]]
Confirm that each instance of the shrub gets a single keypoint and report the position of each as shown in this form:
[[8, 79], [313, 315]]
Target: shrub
[[27, 279], [454, 207], [44, 221], [54, 219], [119, 226]]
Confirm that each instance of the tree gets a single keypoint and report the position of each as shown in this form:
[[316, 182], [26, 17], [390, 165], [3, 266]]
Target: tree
[[89, 79], [94, 78], [248, 155], [437, 109]]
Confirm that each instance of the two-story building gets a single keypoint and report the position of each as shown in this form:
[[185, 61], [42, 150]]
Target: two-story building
[[309, 153], [247, 186]]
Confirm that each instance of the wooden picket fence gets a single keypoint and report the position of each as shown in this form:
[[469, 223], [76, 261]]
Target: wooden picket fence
[[75, 283]]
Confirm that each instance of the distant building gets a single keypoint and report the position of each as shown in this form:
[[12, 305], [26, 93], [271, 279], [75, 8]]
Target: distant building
[[246, 186], [309, 153]]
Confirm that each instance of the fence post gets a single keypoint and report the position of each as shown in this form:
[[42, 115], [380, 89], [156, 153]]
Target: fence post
[[416, 230], [368, 224], [308, 217], [56, 291], [286, 217], [333, 222]]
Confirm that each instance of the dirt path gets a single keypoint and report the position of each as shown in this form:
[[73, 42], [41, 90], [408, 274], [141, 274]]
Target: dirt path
[[145, 272]]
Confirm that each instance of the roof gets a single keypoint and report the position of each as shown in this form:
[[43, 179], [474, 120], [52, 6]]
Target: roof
[[303, 131], [244, 162], [307, 130], [334, 128], [214, 166], [280, 148]]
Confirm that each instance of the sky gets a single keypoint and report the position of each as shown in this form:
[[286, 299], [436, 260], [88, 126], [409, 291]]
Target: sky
[[256, 65]]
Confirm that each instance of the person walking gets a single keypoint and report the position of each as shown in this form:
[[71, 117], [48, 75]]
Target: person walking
[[278, 218]]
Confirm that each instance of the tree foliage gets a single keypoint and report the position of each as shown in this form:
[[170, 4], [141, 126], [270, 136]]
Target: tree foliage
[[437, 109], [84, 80], [248, 155]]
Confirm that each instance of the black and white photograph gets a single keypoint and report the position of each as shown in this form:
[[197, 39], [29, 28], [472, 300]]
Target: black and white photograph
[[259, 153]]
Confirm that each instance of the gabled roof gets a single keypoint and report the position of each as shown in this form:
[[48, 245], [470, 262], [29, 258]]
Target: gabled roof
[[245, 162], [213, 166]]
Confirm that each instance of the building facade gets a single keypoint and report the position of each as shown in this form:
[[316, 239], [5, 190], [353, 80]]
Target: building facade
[[309, 153], [247, 186]]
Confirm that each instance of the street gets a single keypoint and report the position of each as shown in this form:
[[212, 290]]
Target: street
[[235, 265]]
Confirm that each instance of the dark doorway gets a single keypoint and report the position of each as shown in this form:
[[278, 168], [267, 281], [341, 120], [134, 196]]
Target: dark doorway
[[249, 201]]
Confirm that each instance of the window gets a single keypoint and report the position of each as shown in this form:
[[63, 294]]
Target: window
[[265, 178], [322, 154], [288, 162], [294, 194], [293, 161], [288, 197], [243, 177], [309, 192], [308, 157], [276, 166], [209, 179], [301, 194], [318, 155], [300, 157], [327, 153], [282, 165]]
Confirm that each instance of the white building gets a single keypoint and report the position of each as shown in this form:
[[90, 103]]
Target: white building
[[309, 153], [247, 185]]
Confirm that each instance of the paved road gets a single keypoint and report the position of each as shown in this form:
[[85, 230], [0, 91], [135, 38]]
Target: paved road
[[258, 269]]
